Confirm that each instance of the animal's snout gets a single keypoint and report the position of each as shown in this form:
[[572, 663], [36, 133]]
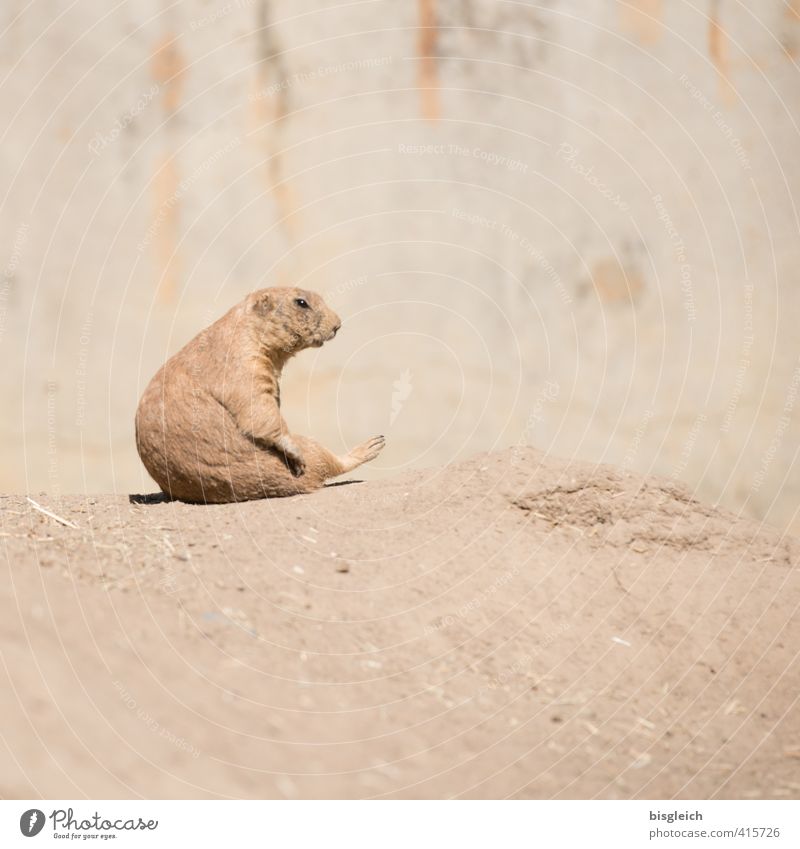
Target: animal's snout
[[336, 327]]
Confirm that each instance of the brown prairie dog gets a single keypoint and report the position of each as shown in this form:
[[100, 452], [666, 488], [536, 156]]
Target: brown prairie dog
[[209, 427]]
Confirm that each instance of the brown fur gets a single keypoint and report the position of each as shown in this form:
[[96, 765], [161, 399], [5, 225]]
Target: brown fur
[[209, 427]]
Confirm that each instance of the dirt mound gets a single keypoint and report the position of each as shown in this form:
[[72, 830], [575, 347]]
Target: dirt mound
[[508, 626]]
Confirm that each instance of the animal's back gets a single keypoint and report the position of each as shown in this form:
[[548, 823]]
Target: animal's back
[[180, 427]]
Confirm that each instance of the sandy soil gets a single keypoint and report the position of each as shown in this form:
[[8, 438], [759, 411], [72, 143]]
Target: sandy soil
[[510, 626]]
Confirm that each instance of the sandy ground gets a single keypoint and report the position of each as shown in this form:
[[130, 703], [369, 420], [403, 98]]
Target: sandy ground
[[510, 626]]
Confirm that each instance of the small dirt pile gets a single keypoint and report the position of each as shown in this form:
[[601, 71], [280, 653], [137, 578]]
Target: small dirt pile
[[513, 625]]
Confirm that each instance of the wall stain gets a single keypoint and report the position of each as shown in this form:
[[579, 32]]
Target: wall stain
[[270, 107], [167, 68], [428, 77], [789, 35], [718, 51], [166, 219], [616, 282], [642, 18]]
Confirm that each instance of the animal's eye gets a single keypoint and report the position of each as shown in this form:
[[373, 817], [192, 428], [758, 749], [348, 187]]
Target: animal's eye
[[301, 303]]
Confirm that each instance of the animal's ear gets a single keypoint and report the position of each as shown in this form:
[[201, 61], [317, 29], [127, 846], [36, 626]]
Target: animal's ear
[[263, 303]]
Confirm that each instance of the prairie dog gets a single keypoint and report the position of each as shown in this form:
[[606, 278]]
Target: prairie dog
[[209, 426]]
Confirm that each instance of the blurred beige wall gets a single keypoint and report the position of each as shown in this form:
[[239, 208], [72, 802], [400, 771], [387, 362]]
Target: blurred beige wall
[[569, 224]]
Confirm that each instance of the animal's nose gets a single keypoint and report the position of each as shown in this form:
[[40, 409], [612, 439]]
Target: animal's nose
[[336, 327]]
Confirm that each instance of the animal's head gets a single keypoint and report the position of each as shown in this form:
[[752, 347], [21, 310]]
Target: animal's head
[[293, 319]]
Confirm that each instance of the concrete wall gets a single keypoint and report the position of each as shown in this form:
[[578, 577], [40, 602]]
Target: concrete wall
[[569, 224]]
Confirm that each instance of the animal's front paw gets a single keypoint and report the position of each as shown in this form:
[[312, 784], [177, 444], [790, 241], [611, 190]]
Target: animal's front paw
[[296, 464], [292, 456], [370, 449]]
